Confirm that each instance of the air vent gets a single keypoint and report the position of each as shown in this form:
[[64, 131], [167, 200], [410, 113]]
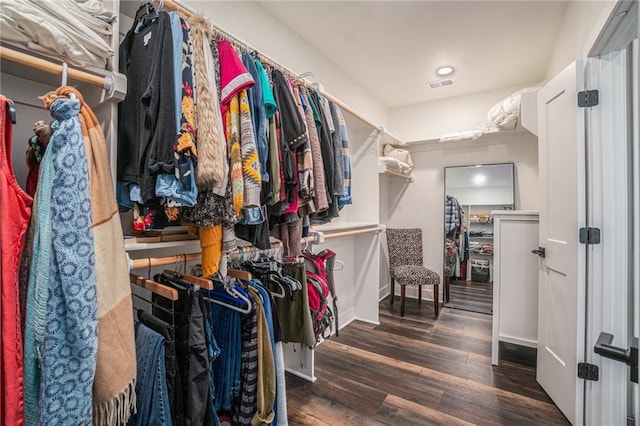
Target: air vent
[[440, 83]]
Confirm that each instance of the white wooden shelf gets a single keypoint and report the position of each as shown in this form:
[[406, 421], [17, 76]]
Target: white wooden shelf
[[393, 168], [187, 246]]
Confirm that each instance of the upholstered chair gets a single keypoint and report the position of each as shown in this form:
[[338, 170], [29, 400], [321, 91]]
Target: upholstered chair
[[406, 267]]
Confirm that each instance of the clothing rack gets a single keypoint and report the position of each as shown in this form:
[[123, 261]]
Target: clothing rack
[[317, 237], [186, 12], [53, 68], [149, 262]]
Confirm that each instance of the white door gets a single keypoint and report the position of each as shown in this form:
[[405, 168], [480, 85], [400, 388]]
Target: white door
[[561, 314]]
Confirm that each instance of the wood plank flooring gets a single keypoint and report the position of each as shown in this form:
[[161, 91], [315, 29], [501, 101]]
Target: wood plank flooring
[[471, 296], [418, 370]]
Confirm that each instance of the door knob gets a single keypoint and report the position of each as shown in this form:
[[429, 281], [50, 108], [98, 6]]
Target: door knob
[[604, 348], [540, 252]]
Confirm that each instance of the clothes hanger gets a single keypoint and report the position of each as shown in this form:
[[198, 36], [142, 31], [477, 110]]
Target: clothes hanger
[[11, 110], [274, 277], [231, 294], [154, 287], [199, 281], [146, 12], [239, 274], [179, 272]]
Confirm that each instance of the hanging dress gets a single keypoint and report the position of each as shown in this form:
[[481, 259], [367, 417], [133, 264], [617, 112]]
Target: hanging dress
[[15, 210]]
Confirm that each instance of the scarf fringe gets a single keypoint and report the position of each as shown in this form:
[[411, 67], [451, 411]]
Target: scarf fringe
[[118, 410]]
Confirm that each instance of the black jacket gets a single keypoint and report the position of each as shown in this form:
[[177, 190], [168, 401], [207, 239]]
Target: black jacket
[[147, 120]]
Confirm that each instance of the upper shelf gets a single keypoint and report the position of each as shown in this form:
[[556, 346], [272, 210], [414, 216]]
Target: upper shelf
[[526, 124], [395, 168]]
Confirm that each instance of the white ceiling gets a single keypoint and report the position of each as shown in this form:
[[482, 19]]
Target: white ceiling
[[394, 47]]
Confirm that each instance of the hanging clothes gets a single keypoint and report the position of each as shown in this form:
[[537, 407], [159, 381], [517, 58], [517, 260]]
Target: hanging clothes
[[151, 381], [338, 160], [328, 157], [191, 350], [62, 281], [37, 146], [294, 313], [113, 386], [173, 377], [346, 158], [453, 216], [210, 168], [266, 384], [146, 123], [320, 200], [15, 210], [179, 188]]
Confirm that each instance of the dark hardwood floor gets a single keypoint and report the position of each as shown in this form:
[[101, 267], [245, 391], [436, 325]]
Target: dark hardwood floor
[[418, 370], [471, 296]]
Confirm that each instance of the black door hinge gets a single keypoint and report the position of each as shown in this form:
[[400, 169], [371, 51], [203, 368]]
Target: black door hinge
[[590, 235], [588, 98], [587, 371]]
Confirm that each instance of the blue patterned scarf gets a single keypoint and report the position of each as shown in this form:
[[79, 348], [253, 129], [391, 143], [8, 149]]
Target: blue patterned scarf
[[61, 334]]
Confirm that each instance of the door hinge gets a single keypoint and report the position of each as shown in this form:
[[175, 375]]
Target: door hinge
[[587, 371], [588, 98], [590, 235]]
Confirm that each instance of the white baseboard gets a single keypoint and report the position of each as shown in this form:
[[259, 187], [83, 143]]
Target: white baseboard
[[301, 375], [383, 292]]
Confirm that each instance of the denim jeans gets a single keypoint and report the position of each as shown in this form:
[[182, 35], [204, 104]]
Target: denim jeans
[[173, 378], [226, 368], [151, 383]]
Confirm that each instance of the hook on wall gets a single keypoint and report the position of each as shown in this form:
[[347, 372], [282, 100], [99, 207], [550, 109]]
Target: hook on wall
[[65, 72]]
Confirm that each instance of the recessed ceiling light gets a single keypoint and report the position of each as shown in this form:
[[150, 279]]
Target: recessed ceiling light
[[445, 70], [479, 179]]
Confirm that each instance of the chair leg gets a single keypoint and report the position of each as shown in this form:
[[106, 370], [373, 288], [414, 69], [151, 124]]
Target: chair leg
[[445, 296], [419, 295], [393, 290], [402, 291], [436, 305]]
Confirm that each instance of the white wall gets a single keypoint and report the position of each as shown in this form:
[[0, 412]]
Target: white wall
[[421, 203], [429, 120], [256, 26], [582, 23]]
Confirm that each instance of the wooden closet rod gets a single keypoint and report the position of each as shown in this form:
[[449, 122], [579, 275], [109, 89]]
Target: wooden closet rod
[[312, 238], [148, 262], [178, 259], [173, 5], [354, 232], [52, 68]]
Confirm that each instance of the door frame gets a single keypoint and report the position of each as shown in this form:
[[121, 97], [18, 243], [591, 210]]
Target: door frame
[[609, 272], [616, 76]]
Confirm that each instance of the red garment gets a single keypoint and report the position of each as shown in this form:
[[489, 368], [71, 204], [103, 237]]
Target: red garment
[[32, 179], [15, 209]]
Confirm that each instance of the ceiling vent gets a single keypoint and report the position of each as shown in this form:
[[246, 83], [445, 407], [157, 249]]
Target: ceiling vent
[[440, 83]]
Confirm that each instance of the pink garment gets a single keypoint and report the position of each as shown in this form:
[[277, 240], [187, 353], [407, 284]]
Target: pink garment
[[234, 77], [15, 210]]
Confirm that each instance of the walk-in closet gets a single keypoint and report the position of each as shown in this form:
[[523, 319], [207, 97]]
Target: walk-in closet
[[319, 213]]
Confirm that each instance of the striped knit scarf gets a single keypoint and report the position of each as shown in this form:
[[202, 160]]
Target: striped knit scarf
[[61, 333]]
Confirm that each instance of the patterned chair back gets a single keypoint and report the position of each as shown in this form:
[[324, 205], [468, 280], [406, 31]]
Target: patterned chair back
[[405, 246]]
